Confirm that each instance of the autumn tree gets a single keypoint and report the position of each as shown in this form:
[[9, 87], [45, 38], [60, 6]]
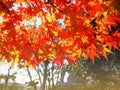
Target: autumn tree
[[34, 31]]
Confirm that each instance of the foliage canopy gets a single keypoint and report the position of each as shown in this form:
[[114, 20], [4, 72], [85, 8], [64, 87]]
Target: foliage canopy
[[32, 31]]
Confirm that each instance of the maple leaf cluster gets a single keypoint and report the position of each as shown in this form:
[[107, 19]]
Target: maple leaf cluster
[[32, 31]]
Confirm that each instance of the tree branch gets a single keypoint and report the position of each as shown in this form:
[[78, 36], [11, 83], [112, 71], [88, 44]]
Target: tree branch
[[4, 7], [61, 11]]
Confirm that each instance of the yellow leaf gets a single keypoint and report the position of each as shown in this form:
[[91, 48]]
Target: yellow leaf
[[106, 49], [74, 54], [3, 59], [40, 51], [105, 14], [12, 62], [14, 52], [49, 17], [20, 1], [84, 39], [17, 59], [55, 33], [51, 55], [32, 20], [79, 51]]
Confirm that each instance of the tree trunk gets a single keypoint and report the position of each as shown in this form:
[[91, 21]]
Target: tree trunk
[[45, 78], [46, 63], [29, 74], [38, 72], [31, 83], [7, 79]]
